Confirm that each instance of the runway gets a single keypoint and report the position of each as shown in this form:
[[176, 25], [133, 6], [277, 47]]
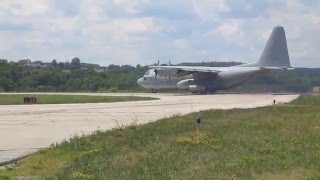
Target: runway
[[27, 128]]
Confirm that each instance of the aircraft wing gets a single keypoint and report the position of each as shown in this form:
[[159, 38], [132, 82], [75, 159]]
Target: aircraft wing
[[180, 71], [289, 68]]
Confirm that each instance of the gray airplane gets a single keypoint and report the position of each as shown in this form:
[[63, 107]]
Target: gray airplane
[[210, 79]]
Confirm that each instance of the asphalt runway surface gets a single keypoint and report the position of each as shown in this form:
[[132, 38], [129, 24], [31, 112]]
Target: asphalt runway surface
[[25, 129]]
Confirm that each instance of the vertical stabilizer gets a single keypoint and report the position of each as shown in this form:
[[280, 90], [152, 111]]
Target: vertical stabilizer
[[275, 53]]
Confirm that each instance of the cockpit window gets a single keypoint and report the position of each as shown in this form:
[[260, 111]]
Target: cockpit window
[[147, 73]]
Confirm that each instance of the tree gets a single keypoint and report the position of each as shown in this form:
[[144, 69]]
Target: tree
[[113, 67], [3, 61], [54, 63], [61, 65], [75, 63], [6, 84], [67, 65], [24, 61]]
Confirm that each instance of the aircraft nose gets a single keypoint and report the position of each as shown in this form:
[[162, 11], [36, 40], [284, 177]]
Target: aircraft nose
[[139, 81]]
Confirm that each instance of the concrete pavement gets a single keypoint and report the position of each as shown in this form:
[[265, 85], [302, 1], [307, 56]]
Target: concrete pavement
[[27, 128]]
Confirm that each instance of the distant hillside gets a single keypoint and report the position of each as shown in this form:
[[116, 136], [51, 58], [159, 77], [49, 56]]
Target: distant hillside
[[298, 80]]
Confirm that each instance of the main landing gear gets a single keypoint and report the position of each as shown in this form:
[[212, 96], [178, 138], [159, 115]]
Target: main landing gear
[[207, 91]]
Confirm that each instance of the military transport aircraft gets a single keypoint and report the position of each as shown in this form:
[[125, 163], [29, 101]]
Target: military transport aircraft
[[210, 79]]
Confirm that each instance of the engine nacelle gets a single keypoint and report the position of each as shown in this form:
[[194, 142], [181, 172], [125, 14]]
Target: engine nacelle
[[197, 89], [184, 84]]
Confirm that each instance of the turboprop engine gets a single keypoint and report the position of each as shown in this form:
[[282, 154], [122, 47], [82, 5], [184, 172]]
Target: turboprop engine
[[197, 89], [189, 84], [184, 84]]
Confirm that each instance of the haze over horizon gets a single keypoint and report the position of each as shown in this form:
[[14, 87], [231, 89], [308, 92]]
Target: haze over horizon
[[144, 31]]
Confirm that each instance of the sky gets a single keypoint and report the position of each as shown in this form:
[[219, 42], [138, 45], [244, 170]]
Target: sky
[[144, 31]]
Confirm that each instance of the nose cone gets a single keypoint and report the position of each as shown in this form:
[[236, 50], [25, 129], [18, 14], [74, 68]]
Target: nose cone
[[139, 81]]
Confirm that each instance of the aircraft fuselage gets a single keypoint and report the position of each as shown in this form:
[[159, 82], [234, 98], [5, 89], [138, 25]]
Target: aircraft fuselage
[[196, 83]]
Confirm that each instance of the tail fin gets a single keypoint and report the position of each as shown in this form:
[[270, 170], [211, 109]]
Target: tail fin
[[275, 53]]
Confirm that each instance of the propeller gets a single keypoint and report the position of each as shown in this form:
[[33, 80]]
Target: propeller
[[156, 73]]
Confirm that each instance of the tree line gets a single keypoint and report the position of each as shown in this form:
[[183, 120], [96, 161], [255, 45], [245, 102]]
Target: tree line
[[25, 76], [69, 77], [297, 80]]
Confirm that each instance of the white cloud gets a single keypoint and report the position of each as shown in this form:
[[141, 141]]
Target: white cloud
[[117, 31], [181, 43], [209, 9], [140, 31], [314, 19], [130, 6], [231, 32]]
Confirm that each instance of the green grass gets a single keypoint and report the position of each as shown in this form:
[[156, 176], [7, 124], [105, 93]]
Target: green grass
[[15, 99], [276, 142]]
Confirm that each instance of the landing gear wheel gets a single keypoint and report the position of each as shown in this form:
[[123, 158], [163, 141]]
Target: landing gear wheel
[[202, 92], [211, 91], [154, 91]]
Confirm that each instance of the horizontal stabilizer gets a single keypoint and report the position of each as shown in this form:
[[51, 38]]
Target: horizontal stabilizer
[[278, 68]]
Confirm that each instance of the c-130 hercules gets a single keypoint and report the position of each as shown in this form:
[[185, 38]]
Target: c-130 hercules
[[210, 79]]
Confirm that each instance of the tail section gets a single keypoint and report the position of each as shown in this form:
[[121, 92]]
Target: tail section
[[275, 53]]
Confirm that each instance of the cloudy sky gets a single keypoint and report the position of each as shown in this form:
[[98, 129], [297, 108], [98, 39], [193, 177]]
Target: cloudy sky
[[143, 31]]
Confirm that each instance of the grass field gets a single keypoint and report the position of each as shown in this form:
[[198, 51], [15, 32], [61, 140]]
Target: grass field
[[14, 99], [276, 142]]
